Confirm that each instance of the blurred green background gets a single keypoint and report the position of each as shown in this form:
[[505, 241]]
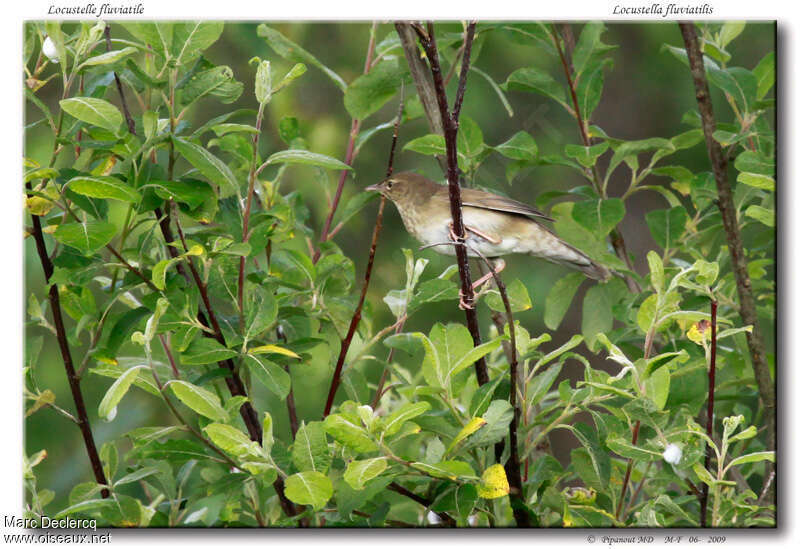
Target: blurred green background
[[645, 95]]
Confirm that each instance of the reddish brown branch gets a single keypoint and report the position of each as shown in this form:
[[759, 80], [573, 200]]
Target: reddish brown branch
[[747, 308], [450, 125], [712, 374], [350, 155], [81, 416], [425, 502], [348, 339], [125, 110]]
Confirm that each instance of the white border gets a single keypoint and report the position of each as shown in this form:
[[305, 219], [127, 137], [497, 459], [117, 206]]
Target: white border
[[11, 294]]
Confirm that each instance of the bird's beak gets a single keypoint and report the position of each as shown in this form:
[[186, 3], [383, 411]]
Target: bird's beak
[[376, 187]]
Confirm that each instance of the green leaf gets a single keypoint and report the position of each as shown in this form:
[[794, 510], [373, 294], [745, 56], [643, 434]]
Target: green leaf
[[215, 81], [599, 216], [262, 310], [590, 89], [559, 298], [270, 375], [542, 382], [359, 473], [601, 463], [394, 421], [752, 458], [231, 440], [192, 193], [87, 237], [729, 31], [597, 317], [521, 146], [535, 81], [309, 487], [588, 46], [470, 137], [212, 168], [764, 215], [299, 156], [97, 112], [446, 469], [657, 386], [263, 85], [108, 406], [656, 270], [310, 449], [755, 163], [108, 57], [667, 226], [190, 39], [369, 92], [482, 397], [623, 447], [431, 144], [518, 298], [206, 351], [497, 417], [461, 500], [104, 186], [496, 89], [349, 433], [765, 75], [200, 400], [757, 181], [586, 156], [293, 52]]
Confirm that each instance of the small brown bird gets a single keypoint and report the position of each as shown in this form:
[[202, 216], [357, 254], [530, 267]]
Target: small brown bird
[[494, 225]]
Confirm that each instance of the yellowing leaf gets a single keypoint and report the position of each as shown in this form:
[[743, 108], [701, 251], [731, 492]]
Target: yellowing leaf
[[473, 425], [494, 483], [263, 349], [698, 333]]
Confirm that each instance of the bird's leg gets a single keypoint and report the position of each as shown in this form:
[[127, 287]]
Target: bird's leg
[[473, 230], [499, 265]]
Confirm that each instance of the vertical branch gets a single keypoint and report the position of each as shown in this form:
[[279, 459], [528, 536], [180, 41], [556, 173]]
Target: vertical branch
[[350, 155], [450, 125], [512, 466], [747, 309], [351, 330], [125, 110], [712, 374], [82, 417], [617, 241]]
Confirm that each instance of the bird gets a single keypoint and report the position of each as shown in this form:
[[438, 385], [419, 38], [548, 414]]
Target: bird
[[494, 225]]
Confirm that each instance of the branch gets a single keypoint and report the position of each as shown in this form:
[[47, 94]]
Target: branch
[[450, 124], [350, 155], [712, 372], [617, 241], [348, 339], [61, 335], [512, 466], [747, 310], [394, 487], [125, 111], [421, 76]]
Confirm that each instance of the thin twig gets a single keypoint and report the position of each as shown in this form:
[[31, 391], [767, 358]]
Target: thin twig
[[351, 153], [712, 373], [747, 310], [125, 110], [337, 372], [425, 502]]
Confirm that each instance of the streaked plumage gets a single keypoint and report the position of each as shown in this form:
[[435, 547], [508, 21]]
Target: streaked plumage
[[502, 225]]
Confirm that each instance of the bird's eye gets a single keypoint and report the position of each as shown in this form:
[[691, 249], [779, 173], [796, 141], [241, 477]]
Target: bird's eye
[[388, 184]]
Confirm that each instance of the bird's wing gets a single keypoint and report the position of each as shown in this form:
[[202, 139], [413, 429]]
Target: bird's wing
[[489, 201]]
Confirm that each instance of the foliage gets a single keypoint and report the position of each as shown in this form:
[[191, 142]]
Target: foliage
[[236, 295]]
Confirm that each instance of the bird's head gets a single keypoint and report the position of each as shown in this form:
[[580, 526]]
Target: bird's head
[[403, 188]]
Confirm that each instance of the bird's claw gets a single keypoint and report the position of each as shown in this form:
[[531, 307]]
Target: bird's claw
[[463, 305]]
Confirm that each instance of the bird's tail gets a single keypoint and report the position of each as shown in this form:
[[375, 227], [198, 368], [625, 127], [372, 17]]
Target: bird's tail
[[558, 251]]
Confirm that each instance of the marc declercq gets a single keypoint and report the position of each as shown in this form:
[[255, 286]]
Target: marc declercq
[[97, 11]]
